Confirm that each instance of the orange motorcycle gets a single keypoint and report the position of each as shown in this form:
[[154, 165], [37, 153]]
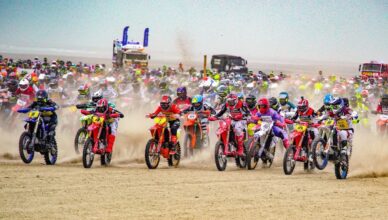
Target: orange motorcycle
[[194, 138]]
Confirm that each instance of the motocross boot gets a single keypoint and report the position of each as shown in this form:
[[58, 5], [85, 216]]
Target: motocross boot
[[344, 147], [240, 145], [174, 141], [286, 143], [111, 141]]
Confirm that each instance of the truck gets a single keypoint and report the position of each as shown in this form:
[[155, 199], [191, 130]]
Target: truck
[[374, 69], [229, 63], [130, 53]]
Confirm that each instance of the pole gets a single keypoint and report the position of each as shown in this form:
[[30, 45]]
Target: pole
[[204, 66]]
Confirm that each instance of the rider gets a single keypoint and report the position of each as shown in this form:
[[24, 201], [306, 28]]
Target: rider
[[49, 117], [251, 103], [170, 110], [237, 111], [285, 104], [222, 92], [182, 101], [26, 90], [339, 111], [111, 117], [107, 92], [278, 128], [198, 106], [306, 114], [382, 107]]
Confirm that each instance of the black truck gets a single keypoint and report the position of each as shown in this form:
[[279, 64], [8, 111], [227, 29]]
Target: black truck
[[229, 63]]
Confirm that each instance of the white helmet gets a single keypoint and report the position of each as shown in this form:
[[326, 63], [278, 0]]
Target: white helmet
[[23, 84], [97, 96]]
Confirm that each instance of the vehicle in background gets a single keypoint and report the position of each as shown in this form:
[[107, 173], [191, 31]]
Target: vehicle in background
[[229, 63], [373, 69], [129, 53]]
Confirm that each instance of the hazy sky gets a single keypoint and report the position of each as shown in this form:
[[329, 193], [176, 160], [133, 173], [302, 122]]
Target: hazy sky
[[258, 30]]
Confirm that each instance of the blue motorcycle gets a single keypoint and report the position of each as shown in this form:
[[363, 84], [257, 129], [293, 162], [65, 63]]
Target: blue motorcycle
[[35, 138]]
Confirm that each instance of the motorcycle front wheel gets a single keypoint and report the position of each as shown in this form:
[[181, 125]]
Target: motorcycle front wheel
[[319, 157], [79, 140], [27, 155], [288, 160], [87, 154], [252, 158], [152, 156], [219, 156]]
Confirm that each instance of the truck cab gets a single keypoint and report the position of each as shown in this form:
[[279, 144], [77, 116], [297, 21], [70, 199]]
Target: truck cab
[[373, 69]]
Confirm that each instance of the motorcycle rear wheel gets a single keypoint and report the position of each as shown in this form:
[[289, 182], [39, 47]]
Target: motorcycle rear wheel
[[219, 156], [24, 141], [152, 157], [320, 160], [173, 160], [288, 160], [87, 154], [51, 155]]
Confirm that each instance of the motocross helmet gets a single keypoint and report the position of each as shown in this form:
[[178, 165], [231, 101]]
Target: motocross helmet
[[96, 96], [197, 102], [251, 101], [337, 105], [163, 86], [283, 98], [303, 105], [232, 100], [53, 84], [181, 92], [42, 96], [12, 85], [23, 84], [263, 105], [102, 106], [222, 91], [165, 103], [365, 93], [326, 101], [84, 90], [273, 102], [240, 96]]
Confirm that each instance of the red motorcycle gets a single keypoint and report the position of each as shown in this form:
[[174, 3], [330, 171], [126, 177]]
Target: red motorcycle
[[299, 149], [160, 144], [98, 140], [227, 145]]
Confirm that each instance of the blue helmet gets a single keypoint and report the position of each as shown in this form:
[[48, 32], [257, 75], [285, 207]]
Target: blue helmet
[[327, 99], [197, 102]]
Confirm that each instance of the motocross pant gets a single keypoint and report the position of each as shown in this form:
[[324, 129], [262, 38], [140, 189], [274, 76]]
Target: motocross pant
[[174, 126], [238, 129], [112, 136], [282, 134], [52, 122]]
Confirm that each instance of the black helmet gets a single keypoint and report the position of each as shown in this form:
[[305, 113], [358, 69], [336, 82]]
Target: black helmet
[[273, 102], [42, 96], [251, 101]]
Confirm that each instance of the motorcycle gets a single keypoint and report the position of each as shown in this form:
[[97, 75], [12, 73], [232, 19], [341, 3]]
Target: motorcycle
[[299, 149], [193, 132], [328, 148], [160, 144], [96, 143], [226, 145], [261, 145], [35, 138]]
